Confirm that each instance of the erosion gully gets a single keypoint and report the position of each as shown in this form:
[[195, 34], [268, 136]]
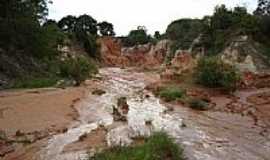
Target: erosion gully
[[203, 135]]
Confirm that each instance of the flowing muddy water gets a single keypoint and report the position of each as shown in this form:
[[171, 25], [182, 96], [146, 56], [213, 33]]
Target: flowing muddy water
[[96, 111], [204, 136]]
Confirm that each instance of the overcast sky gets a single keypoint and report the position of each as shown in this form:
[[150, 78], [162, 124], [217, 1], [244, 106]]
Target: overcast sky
[[128, 14]]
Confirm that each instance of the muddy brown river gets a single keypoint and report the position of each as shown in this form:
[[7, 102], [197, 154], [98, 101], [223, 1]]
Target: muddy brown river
[[209, 135]]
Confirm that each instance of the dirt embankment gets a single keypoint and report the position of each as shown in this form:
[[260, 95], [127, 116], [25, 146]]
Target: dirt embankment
[[113, 54]]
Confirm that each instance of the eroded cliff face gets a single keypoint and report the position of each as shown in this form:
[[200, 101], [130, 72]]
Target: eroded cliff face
[[148, 55], [244, 54], [110, 52]]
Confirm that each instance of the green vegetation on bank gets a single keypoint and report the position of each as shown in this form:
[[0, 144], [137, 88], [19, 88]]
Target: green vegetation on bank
[[215, 32], [77, 69], [82, 30], [182, 32], [35, 82], [212, 72], [29, 45], [157, 147], [73, 69], [171, 93]]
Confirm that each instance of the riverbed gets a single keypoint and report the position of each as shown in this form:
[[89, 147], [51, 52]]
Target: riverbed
[[208, 135]]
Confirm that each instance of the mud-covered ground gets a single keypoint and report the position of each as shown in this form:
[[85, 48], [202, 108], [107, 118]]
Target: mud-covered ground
[[59, 124], [28, 116]]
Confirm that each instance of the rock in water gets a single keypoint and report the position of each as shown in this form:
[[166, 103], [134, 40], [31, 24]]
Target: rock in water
[[120, 112]]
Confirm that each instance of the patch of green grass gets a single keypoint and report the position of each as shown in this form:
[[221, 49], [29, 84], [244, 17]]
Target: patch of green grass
[[198, 104], [35, 82], [171, 93], [157, 147]]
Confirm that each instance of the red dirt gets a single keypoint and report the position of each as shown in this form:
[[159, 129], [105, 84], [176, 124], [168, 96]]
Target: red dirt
[[33, 115], [36, 114], [112, 54]]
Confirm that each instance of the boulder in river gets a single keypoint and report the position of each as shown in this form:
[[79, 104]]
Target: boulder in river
[[120, 112]]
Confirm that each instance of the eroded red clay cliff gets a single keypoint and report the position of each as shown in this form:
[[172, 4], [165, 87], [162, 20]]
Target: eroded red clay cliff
[[114, 54]]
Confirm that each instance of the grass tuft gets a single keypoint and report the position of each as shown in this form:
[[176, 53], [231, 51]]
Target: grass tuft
[[171, 93], [157, 147], [35, 83], [198, 104]]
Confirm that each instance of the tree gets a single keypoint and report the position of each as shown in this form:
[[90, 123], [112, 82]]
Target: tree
[[20, 26], [224, 24], [243, 21], [222, 18], [137, 36], [67, 24], [86, 32], [35, 9], [86, 24], [53, 34], [182, 32], [239, 14], [106, 29], [50, 22], [263, 7], [157, 35], [84, 29], [263, 14]]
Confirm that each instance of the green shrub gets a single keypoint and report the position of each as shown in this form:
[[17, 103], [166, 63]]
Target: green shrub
[[157, 147], [198, 104], [78, 69], [183, 31], [171, 93], [213, 73], [137, 37]]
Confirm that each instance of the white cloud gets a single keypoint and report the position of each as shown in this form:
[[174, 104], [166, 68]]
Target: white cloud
[[127, 14]]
